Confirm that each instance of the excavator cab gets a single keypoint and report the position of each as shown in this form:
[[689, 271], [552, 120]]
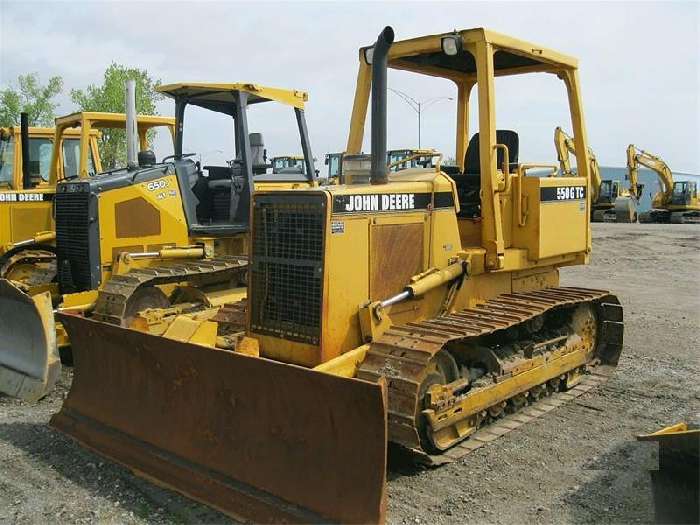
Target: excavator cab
[[401, 159], [684, 192], [288, 164], [334, 161], [609, 191]]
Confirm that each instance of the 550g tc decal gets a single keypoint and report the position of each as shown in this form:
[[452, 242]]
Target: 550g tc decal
[[562, 193]]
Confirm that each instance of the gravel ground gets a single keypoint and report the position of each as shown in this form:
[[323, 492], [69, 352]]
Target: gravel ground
[[579, 464]]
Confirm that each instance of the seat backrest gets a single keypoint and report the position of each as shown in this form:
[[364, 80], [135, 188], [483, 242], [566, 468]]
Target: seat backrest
[[472, 159]]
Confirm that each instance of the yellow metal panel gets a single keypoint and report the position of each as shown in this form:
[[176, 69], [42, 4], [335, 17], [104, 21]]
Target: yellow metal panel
[[444, 241], [205, 334], [29, 218], [551, 228], [346, 285], [166, 199]]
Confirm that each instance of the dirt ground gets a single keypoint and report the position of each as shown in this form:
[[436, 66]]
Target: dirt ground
[[578, 464]]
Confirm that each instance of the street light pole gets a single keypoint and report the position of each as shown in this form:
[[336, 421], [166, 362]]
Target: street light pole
[[418, 106]]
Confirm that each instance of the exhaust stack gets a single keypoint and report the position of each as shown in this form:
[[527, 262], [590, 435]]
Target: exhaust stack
[[132, 147], [379, 173], [24, 137]]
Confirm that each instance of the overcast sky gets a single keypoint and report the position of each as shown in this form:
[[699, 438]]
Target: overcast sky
[[639, 66]]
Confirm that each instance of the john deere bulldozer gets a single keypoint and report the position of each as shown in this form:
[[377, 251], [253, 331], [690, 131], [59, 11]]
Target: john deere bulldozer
[[422, 307], [610, 202], [28, 176], [30, 260], [152, 234]]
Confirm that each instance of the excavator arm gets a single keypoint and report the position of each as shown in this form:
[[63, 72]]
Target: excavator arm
[[637, 157], [564, 143]]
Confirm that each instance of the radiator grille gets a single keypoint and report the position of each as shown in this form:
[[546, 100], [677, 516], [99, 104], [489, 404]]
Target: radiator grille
[[73, 241], [287, 266]]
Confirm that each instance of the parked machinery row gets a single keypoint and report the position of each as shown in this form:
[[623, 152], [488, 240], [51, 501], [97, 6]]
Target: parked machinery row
[[258, 350]]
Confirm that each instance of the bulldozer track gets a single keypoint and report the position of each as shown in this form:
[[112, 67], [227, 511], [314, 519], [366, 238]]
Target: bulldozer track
[[525, 415], [34, 255], [113, 297], [403, 353]]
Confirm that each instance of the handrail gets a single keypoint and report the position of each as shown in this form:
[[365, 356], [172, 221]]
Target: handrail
[[522, 172], [505, 168]]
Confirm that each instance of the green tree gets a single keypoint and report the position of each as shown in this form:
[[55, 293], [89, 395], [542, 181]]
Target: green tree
[[30, 96], [110, 96]]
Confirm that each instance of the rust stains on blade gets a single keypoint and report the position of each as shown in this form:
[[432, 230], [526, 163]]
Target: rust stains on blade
[[256, 439]]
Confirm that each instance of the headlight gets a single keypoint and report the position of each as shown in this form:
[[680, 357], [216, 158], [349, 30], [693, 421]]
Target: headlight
[[451, 45]]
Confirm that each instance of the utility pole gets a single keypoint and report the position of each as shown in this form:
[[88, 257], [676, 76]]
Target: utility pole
[[418, 106]]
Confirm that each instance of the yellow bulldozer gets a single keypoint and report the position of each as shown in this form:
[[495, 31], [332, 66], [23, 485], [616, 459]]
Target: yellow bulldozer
[[27, 220], [28, 176], [144, 236], [676, 202], [421, 307], [610, 202]]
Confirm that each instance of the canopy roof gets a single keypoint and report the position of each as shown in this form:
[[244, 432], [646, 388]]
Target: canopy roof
[[36, 131], [99, 119], [512, 56], [219, 97]]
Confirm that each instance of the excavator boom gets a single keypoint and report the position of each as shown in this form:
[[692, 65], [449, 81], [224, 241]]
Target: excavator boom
[[565, 145], [637, 157]]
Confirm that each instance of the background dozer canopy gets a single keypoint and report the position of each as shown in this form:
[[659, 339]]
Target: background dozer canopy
[[99, 122], [233, 99]]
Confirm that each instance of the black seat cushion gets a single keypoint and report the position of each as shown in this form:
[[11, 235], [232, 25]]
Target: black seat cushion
[[469, 182], [503, 136]]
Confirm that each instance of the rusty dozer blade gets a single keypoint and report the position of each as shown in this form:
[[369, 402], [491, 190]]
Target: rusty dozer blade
[[257, 439], [29, 360]]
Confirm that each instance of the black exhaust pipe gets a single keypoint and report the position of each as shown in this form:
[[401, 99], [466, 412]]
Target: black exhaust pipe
[[379, 173], [24, 137]]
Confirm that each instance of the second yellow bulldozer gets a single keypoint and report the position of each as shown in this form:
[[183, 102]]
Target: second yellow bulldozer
[[152, 234], [28, 176], [419, 307]]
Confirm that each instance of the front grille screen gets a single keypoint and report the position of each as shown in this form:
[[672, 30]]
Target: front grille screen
[[287, 266], [73, 241]]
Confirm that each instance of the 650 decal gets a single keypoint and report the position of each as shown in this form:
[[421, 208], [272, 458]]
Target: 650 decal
[[156, 185], [562, 193]]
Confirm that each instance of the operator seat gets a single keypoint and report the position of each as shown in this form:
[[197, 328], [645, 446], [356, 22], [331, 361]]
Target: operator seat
[[222, 182], [469, 182]]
